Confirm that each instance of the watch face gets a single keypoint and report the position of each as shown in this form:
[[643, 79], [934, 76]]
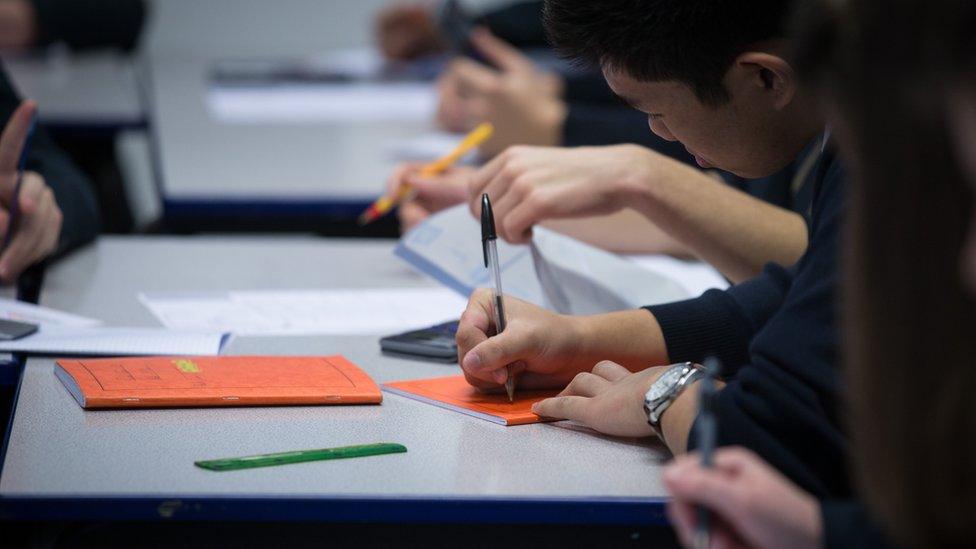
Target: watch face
[[663, 385]]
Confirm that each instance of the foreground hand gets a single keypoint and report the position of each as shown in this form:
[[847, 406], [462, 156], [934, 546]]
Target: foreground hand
[[545, 345], [39, 226], [609, 400], [430, 194], [528, 185], [755, 505], [407, 31], [521, 101]]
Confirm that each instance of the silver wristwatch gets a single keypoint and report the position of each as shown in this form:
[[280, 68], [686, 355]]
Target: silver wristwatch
[[666, 389]]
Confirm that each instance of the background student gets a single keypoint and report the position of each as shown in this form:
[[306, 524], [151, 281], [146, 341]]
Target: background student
[[904, 88], [80, 24], [58, 207], [527, 104]]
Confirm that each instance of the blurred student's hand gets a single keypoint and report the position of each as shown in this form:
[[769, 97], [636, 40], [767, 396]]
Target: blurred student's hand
[[39, 227], [523, 102], [528, 185], [755, 505], [544, 347], [430, 194], [408, 31], [18, 25], [610, 399]]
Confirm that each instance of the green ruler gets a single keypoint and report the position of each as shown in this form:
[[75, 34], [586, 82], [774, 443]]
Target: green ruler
[[284, 458]]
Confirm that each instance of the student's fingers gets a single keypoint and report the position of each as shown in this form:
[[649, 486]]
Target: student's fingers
[[473, 79], [585, 384], [440, 191], [475, 323], [410, 214], [502, 54], [529, 211], [710, 487], [480, 180], [563, 407], [682, 517], [610, 371], [488, 360], [506, 197], [400, 175], [12, 142]]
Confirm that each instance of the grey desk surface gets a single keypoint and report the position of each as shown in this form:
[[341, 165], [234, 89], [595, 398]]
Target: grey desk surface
[[203, 159], [92, 89], [58, 450]]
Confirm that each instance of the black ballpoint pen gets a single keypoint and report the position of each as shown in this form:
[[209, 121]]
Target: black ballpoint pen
[[490, 249]]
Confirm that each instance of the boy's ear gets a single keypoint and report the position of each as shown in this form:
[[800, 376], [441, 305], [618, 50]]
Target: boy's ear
[[773, 74]]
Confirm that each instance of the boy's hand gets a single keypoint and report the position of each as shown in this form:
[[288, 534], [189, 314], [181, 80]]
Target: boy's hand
[[528, 185], [543, 347], [522, 102], [609, 400], [430, 194]]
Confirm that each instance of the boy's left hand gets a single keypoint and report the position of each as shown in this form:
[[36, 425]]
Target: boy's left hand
[[609, 400]]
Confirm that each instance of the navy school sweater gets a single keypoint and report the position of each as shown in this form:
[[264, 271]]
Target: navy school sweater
[[776, 335]]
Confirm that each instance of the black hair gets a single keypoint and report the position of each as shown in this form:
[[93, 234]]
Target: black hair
[[690, 41]]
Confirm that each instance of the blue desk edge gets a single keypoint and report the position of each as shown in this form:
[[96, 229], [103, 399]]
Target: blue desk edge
[[604, 511]]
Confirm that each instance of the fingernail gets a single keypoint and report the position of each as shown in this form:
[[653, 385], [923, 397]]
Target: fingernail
[[472, 361], [501, 376], [535, 407]]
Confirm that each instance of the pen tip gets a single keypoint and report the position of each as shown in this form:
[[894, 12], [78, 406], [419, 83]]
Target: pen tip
[[510, 388]]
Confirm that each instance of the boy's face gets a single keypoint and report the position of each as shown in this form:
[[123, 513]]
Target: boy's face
[[742, 136]]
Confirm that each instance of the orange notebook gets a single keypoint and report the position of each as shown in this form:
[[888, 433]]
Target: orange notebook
[[154, 382], [454, 393]]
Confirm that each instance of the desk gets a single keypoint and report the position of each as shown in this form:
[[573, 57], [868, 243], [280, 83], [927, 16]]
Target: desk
[[62, 462], [209, 168], [81, 92]]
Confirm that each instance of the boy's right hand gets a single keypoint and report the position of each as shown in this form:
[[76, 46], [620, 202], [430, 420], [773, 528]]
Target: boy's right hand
[[543, 347], [430, 194]]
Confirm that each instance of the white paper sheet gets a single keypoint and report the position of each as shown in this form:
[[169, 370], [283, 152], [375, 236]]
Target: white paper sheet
[[317, 103], [305, 312], [427, 146], [11, 309], [108, 341], [556, 271]]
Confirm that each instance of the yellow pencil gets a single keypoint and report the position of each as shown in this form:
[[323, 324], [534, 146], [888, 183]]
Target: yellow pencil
[[387, 202]]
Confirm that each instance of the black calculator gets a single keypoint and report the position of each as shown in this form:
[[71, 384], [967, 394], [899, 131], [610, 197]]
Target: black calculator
[[433, 343]]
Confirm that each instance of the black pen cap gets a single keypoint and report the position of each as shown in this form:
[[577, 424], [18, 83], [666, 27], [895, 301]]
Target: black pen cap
[[487, 225]]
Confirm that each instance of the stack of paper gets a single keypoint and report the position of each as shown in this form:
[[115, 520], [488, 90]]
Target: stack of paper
[[104, 341], [307, 312], [556, 271]]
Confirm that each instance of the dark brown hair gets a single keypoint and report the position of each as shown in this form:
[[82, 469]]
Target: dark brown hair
[[910, 346]]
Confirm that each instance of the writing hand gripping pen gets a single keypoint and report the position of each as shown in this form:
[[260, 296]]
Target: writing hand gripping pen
[[489, 247]]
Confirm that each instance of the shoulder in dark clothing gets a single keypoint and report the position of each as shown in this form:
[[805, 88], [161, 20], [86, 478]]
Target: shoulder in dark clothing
[[518, 23], [848, 524], [777, 337], [90, 23]]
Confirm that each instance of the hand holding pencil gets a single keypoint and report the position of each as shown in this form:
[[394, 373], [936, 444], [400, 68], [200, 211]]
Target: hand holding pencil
[[389, 201]]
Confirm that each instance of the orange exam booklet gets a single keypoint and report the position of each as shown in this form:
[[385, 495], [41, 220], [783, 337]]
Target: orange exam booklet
[[454, 393], [153, 382]]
